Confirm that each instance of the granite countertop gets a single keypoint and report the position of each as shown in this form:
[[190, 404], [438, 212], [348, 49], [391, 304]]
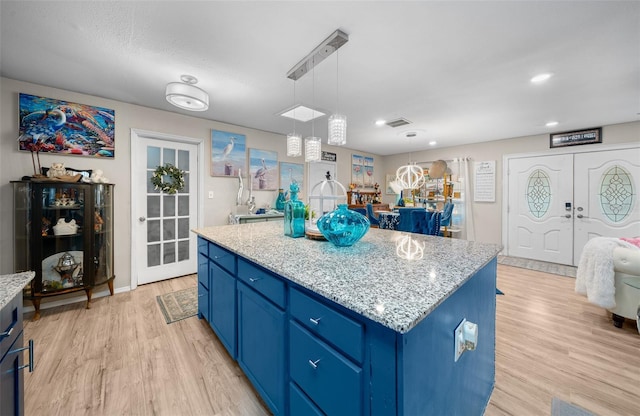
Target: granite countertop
[[12, 284], [391, 277]]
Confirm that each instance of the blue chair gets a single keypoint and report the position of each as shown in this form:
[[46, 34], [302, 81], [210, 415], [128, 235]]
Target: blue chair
[[419, 221], [445, 220], [405, 221], [434, 223], [373, 219]]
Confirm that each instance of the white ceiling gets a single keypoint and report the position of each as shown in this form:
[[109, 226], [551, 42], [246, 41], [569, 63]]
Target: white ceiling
[[458, 70]]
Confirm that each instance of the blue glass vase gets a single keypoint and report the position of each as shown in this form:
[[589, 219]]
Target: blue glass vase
[[280, 201], [294, 214], [343, 227]]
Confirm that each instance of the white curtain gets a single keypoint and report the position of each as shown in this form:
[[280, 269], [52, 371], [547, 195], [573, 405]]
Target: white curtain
[[465, 176]]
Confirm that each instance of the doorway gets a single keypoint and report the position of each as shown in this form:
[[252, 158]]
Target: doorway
[[556, 203], [163, 244]]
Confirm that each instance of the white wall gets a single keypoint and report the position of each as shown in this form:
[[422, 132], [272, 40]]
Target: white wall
[[488, 216], [15, 164]]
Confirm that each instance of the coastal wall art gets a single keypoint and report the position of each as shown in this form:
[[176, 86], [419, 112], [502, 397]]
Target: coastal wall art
[[263, 168], [228, 154], [48, 125]]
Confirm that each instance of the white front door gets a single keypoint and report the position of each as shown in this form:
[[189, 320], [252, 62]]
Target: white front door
[[606, 196], [540, 223], [164, 246]]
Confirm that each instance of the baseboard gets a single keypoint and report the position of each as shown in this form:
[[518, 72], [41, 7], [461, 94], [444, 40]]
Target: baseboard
[[76, 299]]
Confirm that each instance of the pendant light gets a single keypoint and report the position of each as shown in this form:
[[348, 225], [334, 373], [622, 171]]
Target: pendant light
[[186, 95], [312, 144], [337, 122], [294, 140]]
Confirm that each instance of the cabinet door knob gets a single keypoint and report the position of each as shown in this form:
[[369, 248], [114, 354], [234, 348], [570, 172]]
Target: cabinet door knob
[[314, 364], [315, 321], [142, 219]]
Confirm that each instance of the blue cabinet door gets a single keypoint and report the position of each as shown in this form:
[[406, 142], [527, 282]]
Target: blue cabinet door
[[11, 384], [262, 346], [222, 306]]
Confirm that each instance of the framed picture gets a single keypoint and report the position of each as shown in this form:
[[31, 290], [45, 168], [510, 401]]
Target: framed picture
[[388, 179], [573, 138], [357, 170], [290, 172], [66, 128], [263, 168], [228, 154]]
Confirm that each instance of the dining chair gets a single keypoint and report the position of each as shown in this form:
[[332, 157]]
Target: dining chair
[[373, 218]]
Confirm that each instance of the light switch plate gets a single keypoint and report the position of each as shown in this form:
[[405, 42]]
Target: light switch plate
[[458, 340], [210, 194]]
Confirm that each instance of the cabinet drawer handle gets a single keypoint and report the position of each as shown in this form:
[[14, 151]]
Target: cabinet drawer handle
[[314, 364], [219, 257], [8, 331], [315, 321], [30, 348], [254, 279]]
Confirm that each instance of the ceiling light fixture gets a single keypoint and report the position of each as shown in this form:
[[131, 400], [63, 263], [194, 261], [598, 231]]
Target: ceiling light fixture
[[337, 122], [433, 143], [551, 124], [186, 95], [294, 140], [540, 78], [313, 144], [380, 122]]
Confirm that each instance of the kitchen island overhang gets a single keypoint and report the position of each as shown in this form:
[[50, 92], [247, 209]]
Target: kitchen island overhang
[[408, 309]]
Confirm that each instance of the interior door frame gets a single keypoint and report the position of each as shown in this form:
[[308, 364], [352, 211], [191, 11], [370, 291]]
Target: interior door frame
[[567, 150], [136, 135]]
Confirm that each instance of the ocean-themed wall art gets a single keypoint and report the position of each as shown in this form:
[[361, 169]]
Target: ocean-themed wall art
[[48, 125], [228, 154], [263, 168], [290, 172]]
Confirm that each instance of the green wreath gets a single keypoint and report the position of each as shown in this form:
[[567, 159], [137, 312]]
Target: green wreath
[[175, 175]]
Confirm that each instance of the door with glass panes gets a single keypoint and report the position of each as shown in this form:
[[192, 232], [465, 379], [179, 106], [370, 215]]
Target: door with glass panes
[[165, 247]]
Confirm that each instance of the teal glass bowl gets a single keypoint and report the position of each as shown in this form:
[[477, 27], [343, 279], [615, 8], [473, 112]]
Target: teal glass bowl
[[343, 227]]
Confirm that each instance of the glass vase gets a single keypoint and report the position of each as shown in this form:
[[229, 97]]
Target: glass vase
[[343, 227], [294, 214], [280, 200]]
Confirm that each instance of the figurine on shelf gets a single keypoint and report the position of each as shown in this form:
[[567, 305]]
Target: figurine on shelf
[[65, 228], [56, 170], [98, 221], [46, 225]]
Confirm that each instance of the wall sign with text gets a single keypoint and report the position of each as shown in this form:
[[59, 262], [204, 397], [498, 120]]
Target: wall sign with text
[[572, 138]]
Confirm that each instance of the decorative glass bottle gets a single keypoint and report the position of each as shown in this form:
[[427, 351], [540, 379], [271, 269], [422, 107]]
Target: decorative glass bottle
[[343, 227], [294, 214], [280, 201]]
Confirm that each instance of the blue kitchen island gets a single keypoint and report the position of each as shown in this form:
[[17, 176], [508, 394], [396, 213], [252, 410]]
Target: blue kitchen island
[[361, 330]]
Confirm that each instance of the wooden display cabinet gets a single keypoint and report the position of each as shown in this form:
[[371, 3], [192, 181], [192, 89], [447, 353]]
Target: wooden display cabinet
[[64, 232]]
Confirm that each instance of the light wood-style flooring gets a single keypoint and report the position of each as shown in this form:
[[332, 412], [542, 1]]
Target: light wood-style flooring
[[121, 358]]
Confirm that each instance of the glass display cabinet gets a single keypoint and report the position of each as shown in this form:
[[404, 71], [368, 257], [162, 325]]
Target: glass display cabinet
[[64, 232]]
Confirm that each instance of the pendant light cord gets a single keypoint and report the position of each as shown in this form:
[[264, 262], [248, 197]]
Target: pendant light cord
[[313, 96]]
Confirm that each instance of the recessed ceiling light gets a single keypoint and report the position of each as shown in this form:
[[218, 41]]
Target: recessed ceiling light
[[433, 143], [302, 113], [540, 78], [380, 122], [551, 124]]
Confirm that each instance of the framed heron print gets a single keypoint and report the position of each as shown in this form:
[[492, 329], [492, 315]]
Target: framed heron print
[[228, 154]]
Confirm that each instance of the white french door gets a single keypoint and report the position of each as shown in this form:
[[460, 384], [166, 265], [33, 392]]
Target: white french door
[[556, 203], [540, 222], [164, 246]]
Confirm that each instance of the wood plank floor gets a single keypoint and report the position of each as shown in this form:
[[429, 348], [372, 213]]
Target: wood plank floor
[[121, 358]]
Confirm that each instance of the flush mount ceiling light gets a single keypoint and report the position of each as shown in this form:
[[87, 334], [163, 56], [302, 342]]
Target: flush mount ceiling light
[[551, 124], [186, 95], [540, 78]]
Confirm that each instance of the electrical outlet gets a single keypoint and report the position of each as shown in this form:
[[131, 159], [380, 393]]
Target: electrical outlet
[[210, 194]]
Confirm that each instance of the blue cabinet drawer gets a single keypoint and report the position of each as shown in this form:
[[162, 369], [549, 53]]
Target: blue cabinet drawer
[[270, 286], [299, 403], [203, 246], [224, 258], [203, 302], [344, 333], [10, 323], [203, 270], [333, 382]]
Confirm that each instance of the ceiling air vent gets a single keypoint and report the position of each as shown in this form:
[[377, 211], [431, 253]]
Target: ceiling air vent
[[398, 122]]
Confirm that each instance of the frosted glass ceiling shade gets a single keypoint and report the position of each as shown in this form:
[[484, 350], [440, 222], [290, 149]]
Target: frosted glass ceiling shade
[[337, 130], [187, 97], [410, 176], [294, 145], [312, 149]]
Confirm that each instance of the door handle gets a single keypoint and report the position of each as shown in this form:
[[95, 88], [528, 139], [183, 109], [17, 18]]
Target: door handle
[[567, 215], [581, 216], [142, 219]]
